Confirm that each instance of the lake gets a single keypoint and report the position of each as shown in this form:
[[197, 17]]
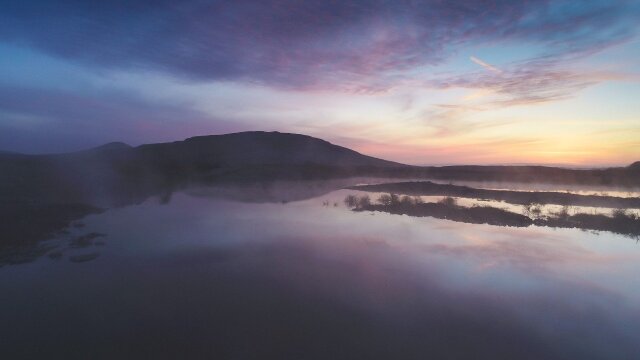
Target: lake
[[294, 274]]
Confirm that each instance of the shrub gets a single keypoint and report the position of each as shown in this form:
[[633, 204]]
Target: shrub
[[364, 201], [351, 201], [535, 210], [564, 212], [619, 213], [385, 199], [406, 200], [448, 201]]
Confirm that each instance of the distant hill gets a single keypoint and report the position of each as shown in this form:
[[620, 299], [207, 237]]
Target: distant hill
[[259, 148], [118, 173], [615, 176], [635, 165]]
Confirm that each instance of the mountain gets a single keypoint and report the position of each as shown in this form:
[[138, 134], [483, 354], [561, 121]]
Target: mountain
[[259, 148], [117, 173]]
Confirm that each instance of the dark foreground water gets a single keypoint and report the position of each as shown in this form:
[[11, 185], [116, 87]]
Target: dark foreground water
[[204, 277]]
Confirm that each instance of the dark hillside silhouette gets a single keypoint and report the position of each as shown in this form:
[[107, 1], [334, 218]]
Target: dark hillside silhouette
[[104, 174]]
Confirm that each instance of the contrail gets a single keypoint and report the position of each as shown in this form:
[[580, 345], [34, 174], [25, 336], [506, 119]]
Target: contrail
[[485, 65]]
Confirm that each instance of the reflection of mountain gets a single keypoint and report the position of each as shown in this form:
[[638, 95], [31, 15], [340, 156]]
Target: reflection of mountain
[[43, 193], [117, 174], [274, 191]]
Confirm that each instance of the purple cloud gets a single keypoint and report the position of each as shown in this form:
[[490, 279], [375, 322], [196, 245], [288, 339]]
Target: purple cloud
[[355, 45]]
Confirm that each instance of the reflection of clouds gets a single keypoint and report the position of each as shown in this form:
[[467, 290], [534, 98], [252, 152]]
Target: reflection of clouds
[[277, 191], [313, 280], [331, 277], [530, 249], [505, 252]]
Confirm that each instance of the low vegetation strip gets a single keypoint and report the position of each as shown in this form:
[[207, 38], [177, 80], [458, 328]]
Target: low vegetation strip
[[428, 188], [473, 215], [621, 222]]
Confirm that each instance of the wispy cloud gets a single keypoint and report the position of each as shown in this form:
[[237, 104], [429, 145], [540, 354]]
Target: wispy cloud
[[361, 45], [528, 82], [485, 65]]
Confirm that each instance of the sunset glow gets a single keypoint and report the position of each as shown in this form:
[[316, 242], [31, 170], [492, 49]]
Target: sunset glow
[[432, 82]]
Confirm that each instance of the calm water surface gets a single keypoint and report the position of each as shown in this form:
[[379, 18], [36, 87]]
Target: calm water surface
[[200, 275]]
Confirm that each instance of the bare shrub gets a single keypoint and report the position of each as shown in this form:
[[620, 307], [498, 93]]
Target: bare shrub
[[364, 201], [619, 213], [564, 212], [536, 210], [385, 199], [406, 200], [448, 201], [351, 201]]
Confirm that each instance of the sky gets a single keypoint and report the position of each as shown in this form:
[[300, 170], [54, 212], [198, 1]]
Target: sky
[[421, 82]]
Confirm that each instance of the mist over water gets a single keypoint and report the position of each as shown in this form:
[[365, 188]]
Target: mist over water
[[618, 191], [274, 270]]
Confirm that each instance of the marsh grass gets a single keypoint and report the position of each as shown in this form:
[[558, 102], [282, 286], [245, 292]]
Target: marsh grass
[[622, 221]]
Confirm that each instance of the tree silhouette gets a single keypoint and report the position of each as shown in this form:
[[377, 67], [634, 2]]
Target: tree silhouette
[[364, 201], [385, 199], [448, 201], [406, 201], [351, 201]]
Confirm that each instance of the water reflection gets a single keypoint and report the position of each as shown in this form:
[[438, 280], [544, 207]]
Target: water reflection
[[30, 219], [588, 212], [203, 277]]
